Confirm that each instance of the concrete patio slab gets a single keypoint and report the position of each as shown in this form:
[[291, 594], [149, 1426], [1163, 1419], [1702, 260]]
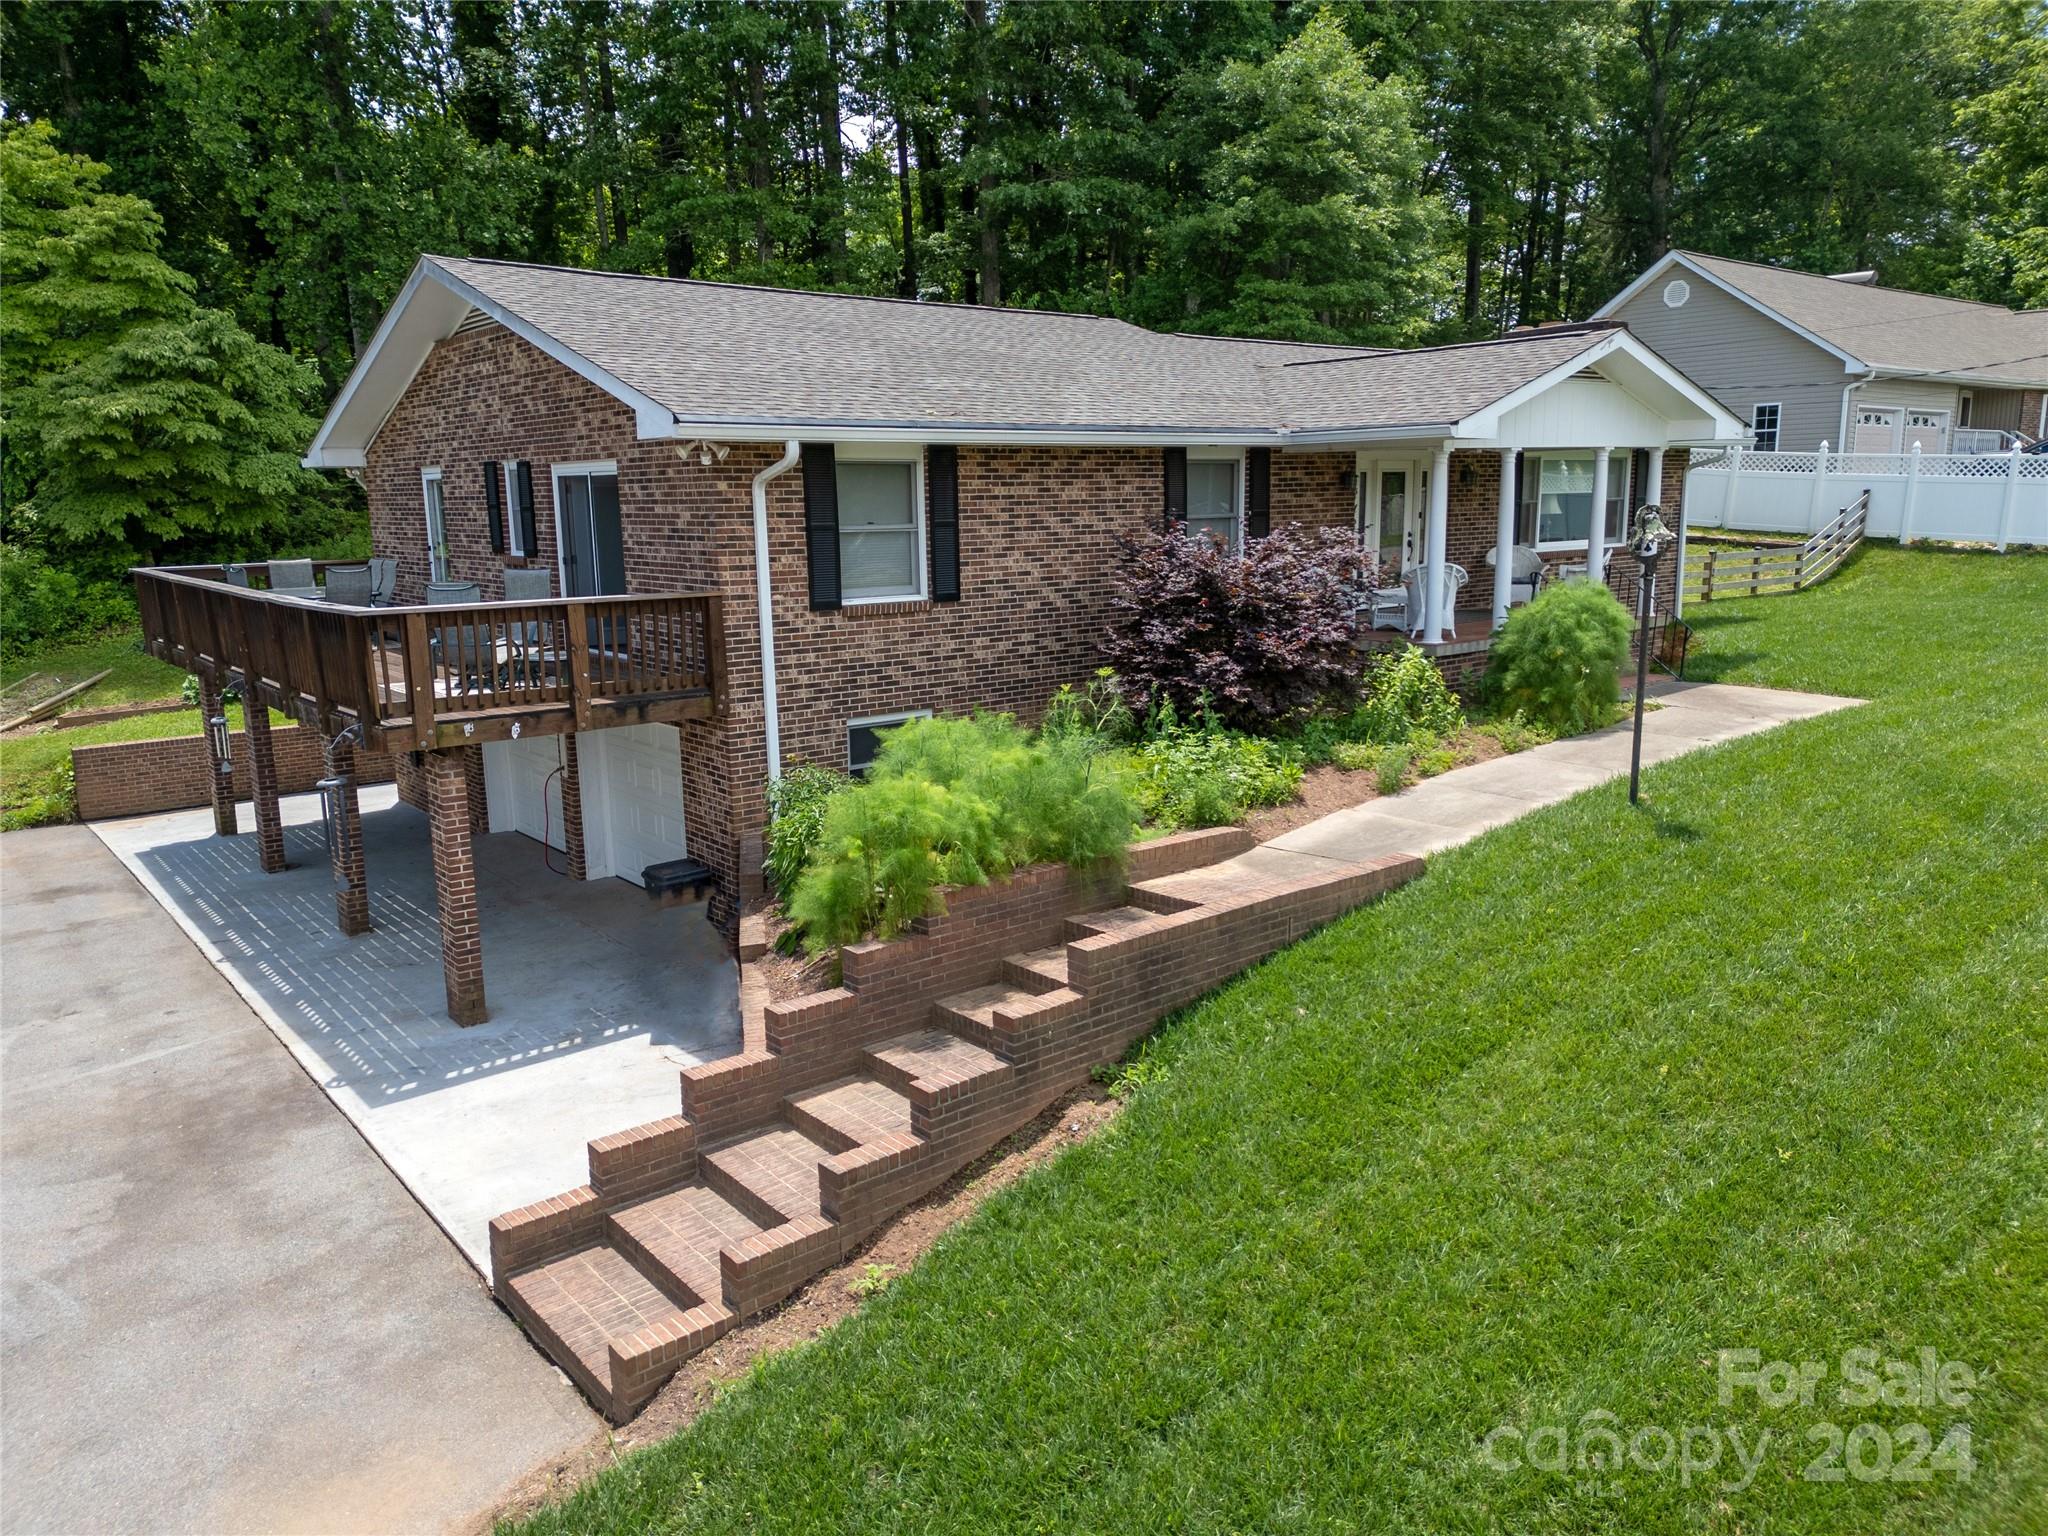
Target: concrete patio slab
[[598, 998], [1442, 812], [222, 1313]]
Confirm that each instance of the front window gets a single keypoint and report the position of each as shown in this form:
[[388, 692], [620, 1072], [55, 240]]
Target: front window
[[1212, 500], [880, 550], [1763, 423], [1557, 499]]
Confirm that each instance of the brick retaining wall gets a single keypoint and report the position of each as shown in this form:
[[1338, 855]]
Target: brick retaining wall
[[172, 773]]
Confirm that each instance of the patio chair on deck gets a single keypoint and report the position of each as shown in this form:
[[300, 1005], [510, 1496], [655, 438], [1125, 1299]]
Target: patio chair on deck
[[350, 584], [237, 575], [458, 648], [1525, 573], [532, 657], [293, 578], [383, 581]]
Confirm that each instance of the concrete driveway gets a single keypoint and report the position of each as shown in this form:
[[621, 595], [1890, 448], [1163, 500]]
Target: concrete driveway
[[222, 1312]]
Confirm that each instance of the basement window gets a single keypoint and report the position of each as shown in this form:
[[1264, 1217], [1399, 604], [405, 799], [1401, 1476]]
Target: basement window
[[864, 737]]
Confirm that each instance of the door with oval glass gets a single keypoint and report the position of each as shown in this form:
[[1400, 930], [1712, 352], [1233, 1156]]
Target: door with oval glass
[[1391, 496]]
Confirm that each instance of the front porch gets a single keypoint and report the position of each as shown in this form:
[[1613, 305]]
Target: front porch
[[599, 996], [434, 686]]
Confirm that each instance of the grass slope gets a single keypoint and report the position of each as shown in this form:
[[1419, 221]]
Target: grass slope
[[1764, 1066]]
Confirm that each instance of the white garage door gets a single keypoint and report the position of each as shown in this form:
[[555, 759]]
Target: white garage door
[[522, 788], [641, 785]]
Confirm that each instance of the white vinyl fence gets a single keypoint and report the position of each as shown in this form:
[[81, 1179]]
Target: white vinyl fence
[[1996, 499]]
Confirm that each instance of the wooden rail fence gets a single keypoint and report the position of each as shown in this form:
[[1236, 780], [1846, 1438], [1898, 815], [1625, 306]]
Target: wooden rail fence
[[1761, 570]]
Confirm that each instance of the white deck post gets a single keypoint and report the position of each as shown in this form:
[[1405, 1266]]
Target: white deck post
[[1437, 538], [2012, 497], [1504, 539], [1596, 531], [1820, 483], [1912, 495]]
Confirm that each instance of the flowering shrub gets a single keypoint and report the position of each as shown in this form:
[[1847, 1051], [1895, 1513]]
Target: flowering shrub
[[1259, 638]]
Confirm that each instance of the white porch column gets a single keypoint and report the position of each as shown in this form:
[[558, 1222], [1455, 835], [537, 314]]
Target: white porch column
[[1596, 533], [1656, 486], [1438, 538], [1504, 539]]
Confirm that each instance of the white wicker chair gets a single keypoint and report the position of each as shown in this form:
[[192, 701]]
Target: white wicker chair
[[1455, 577]]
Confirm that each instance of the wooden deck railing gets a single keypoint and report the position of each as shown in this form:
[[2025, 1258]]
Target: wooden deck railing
[[426, 677]]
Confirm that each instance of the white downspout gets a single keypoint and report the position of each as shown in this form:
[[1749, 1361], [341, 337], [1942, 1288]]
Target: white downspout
[[791, 452], [1848, 389]]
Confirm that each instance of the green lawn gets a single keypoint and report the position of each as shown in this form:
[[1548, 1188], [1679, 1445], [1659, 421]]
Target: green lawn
[[1764, 1066], [33, 785]]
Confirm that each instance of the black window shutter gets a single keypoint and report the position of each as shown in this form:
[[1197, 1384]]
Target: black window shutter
[[942, 516], [1258, 486], [821, 522], [1525, 510], [494, 511], [528, 539], [1176, 489]]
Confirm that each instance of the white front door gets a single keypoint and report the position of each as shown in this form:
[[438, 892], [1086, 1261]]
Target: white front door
[[1877, 429], [634, 792], [1391, 496]]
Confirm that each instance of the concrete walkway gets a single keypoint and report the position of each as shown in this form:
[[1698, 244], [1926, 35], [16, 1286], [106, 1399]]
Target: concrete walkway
[[222, 1313], [1442, 812], [598, 997]]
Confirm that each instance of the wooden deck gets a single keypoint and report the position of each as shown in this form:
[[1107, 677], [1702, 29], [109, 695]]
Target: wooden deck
[[418, 678]]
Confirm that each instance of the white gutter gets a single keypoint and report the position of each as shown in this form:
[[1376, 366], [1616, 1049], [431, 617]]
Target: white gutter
[[791, 452]]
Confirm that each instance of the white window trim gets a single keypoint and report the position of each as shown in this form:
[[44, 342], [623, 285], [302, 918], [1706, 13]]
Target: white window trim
[[515, 528], [894, 453], [557, 473], [874, 722], [1533, 460], [1777, 423], [1212, 455], [433, 476]]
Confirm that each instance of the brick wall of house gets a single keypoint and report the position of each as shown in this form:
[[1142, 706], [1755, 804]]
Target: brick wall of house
[[172, 773], [1037, 539]]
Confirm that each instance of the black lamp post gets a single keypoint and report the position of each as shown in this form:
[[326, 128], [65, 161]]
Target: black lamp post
[[1648, 548]]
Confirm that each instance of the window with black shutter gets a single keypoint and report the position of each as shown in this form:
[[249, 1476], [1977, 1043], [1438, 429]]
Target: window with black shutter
[[821, 523], [1258, 490], [494, 510], [1176, 489], [942, 515]]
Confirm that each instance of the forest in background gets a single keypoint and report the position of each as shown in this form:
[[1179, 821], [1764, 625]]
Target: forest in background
[[1381, 173]]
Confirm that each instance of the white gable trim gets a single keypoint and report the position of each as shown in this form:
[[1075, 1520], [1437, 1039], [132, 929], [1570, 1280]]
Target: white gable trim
[[1850, 363], [342, 441], [1720, 422]]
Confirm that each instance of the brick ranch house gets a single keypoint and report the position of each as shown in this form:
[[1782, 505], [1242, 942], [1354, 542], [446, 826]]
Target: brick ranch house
[[768, 523]]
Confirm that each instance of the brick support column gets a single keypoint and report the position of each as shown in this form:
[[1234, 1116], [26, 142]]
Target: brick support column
[[263, 789], [479, 799], [220, 777], [572, 810], [462, 948], [345, 842]]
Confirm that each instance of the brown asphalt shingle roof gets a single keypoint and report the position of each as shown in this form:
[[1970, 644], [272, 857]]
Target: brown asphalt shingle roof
[[1892, 328], [724, 352]]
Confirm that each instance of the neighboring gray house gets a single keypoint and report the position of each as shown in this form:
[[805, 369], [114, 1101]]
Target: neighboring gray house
[[1804, 358]]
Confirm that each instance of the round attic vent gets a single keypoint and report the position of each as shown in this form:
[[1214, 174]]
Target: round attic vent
[[1676, 292]]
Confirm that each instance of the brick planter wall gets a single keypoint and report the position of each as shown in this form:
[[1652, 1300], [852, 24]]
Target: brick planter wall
[[173, 773]]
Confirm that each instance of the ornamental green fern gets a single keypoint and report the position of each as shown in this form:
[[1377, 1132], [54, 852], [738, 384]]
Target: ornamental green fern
[[1558, 659]]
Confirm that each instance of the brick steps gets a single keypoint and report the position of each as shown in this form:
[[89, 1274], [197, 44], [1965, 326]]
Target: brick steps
[[792, 1152]]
